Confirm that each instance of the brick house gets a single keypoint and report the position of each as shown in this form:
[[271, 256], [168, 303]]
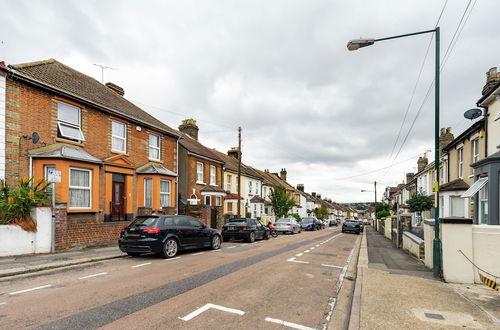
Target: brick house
[[200, 169], [109, 159]]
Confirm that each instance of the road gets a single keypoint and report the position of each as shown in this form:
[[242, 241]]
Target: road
[[287, 282]]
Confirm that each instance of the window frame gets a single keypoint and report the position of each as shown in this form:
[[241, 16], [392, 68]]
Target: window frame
[[154, 147], [475, 151], [61, 122], [460, 157], [145, 192], [218, 200], [198, 172], [213, 175], [250, 186], [169, 193], [124, 138], [229, 182], [89, 188], [209, 200]]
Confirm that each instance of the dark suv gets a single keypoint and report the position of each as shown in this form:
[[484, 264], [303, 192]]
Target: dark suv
[[352, 226], [166, 235], [244, 228]]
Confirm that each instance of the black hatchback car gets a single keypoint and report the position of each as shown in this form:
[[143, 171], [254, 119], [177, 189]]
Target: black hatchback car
[[166, 235], [352, 226], [244, 228]]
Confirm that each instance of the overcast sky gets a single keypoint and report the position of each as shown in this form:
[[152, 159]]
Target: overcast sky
[[280, 70]]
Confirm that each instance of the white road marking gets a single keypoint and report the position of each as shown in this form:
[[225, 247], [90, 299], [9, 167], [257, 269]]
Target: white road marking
[[332, 266], [216, 250], [145, 264], [174, 258], [307, 251], [3, 303], [93, 275], [27, 290], [288, 324], [313, 248], [231, 247], [291, 259], [197, 254], [299, 254], [244, 244], [317, 245], [207, 307]]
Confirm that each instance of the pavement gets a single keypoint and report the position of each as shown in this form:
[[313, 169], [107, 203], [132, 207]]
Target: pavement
[[395, 291], [17, 265]]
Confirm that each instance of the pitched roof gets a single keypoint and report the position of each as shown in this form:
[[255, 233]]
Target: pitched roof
[[61, 150], [209, 188], [60, 78], [457, 184], [155, 168], [231, 164], [195, 147]]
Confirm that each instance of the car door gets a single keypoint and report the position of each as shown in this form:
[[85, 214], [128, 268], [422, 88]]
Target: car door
[[186, 231], [201, 234], [260, 229]]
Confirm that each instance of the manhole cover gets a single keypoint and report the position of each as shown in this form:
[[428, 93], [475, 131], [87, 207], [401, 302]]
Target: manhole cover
[[434, 316]]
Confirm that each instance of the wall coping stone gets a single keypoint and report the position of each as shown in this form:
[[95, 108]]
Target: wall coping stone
[[456, 220], [413, 237], [429, 222]]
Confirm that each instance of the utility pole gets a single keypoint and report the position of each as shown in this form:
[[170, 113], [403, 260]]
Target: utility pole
[[375, 205], [239, 172]]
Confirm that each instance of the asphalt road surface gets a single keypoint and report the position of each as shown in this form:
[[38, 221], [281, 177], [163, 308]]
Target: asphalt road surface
[[287, 282]]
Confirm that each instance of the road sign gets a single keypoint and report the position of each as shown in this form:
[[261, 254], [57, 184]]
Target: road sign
[[53, 175]]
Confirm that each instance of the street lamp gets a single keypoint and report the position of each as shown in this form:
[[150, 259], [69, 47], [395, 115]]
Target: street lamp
[[375, 204], [359, 43]]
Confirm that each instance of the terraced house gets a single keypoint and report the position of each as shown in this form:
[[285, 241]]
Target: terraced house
[[96, 147]]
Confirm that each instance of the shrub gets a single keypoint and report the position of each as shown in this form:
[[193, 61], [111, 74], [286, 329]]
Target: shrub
[[16, 202], [296, 216]]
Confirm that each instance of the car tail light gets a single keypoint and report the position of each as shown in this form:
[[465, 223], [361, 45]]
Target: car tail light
[[287, 224], [244, 229], [151, 230], [123, 229], [222, 229]]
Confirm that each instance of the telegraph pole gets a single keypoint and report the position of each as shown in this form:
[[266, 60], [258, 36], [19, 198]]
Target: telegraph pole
[[239, 171]]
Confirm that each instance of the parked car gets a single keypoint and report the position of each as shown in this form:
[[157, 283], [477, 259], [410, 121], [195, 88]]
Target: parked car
[[310, 223], [244, 228], [287, 225], [366, 222], [351, 226], [333, 223], [166, 235]]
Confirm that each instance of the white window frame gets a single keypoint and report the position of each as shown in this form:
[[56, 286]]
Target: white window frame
[[199, 172], [213, 176], [123, 138], [89, 188], [250, 187], [61, 123], [165, 193], [229, 182], [145, 191], [483, 196], [460, 162], [209, 200], [218, 200], [154, 147], [475, 151]]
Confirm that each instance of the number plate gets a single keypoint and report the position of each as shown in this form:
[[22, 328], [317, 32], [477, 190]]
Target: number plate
[[133, 235], [230, 228]]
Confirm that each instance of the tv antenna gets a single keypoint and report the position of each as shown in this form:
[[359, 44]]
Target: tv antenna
[[102, 70]]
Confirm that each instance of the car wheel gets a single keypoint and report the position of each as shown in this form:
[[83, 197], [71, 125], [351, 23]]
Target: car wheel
[[216, 241], [169, 249], [267, 235], [251, 237]]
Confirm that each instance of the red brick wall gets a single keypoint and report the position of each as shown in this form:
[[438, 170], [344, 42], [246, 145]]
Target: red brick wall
[[192, 174]]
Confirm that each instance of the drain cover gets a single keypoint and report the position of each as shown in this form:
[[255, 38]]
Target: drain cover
[[434, 316]]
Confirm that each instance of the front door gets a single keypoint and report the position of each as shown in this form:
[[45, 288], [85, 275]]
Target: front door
[[118, 198]]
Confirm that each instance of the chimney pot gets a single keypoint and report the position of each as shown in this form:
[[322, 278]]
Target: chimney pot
[[233, 152], [283, 174]]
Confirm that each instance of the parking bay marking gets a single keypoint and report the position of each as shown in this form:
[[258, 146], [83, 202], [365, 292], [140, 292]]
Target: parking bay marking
[[140, 265], [32, 289], [197, 254], [231, 247], [207, 307], [173, 258], [93, 275], [288, 324]]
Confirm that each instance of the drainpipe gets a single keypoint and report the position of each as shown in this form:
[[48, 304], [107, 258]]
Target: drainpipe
[[177, 181]]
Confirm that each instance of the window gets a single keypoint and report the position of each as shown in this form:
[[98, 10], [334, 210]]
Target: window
[[212, 175], [79, 188], [483, 205], [475, 152], [229, 182], [148, 193], [165, 193], [207, 200], [199, 172], [457, 206], [52, 186], [154, 146], [256, 188], [230, 207], [68, 122], [218, 200], [118, 136], [265, 191], [460, 163], [249, 187]]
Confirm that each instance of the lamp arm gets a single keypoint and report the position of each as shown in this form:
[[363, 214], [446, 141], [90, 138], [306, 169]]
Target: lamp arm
[[406, 35]]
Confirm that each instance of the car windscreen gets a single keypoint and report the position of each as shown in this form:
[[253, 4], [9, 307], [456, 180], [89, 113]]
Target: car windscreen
[[307, 220], [350, 223], [146, 221], [283, 220], [237, 222]]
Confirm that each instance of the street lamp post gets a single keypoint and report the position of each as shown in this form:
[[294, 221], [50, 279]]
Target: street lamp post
[[374, 204], [359, 43]]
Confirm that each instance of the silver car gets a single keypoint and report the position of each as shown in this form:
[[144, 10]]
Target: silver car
[[287, 225]]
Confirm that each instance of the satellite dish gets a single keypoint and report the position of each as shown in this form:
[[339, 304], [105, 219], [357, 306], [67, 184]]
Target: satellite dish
[[35, 137], [473, 113]]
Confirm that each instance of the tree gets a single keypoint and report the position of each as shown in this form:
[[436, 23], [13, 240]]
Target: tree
[[296, 216], [282, 201], [383, 214], [321, 212], [418, 202]]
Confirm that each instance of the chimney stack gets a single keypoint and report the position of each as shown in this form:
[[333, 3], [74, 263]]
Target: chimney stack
[[313, 194], [189, 127], [409, 177], [300, 187], [492, 79], [115, 88], [318, 195], [445, 138], [422, 162], [283, 174], [233, 152]]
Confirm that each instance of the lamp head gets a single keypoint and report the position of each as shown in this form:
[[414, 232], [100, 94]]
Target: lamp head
[[359, 43]]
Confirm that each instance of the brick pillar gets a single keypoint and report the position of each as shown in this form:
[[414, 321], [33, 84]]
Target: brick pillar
[[61, 224]]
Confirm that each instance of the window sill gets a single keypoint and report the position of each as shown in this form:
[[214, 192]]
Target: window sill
[[198, 182], [155, 160], [214, 185], [75, 210], [70, 142], [123, 153]]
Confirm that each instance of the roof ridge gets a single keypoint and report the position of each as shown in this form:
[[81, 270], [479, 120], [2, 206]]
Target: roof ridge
[[36, 63]]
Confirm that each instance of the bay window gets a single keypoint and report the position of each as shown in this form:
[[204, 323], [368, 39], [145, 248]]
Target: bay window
[[148, 193], [80, 190], [165, 186]]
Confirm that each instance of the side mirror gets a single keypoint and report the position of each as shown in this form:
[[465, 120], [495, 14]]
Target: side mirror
[[203, 226]]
